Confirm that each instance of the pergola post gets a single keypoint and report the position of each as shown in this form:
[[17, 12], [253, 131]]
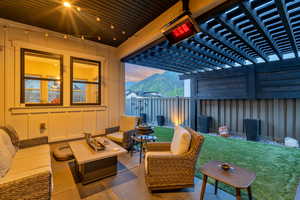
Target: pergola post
[[193, 104]]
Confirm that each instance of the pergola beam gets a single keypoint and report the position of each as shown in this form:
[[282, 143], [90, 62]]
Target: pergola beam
[[229, 26], [286, 22], [260, 27]]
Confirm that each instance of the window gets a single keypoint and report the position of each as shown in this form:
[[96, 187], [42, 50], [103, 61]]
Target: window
[[41, 78], [85, 82]]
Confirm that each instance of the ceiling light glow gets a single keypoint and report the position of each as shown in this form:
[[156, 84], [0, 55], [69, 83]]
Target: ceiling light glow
[[67, 4]]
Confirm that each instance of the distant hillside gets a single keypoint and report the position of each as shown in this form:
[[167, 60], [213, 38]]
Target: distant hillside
[[167, 84], [128, 84]]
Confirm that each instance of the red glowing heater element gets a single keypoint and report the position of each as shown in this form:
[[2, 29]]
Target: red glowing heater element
[[180, 29]]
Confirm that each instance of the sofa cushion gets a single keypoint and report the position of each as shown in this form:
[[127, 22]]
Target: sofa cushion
[[155, 153], [30, 159], [181, 141], [128, 123], [117, 137], [12, 134], [5, 158], [7, 141]]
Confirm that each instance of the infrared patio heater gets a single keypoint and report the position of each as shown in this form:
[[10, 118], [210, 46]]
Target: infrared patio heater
[[182, 27]]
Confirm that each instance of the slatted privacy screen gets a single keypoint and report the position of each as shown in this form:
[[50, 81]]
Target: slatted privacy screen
[[175, 110], [280, 117]]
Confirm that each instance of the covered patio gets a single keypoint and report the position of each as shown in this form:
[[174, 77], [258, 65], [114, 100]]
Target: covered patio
[[67, 131]]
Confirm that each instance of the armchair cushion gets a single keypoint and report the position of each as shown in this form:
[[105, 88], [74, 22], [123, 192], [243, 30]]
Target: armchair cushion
[[181, 141], [155, 154], [7, 142], [117, 137], [6, 158], [128, 123]]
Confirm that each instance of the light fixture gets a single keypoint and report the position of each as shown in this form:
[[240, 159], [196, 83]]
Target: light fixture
[[78, 9], [123, 32], [99, 38], [67, 4], [112, 26], [46, 34], [114, 38], [98, 19], [82, 37], [65, 36]]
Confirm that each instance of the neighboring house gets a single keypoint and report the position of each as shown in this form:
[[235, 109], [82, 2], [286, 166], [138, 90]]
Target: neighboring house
[[131, 94]]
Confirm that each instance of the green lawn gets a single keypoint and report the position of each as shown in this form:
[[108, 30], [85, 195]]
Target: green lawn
[[277, 168]]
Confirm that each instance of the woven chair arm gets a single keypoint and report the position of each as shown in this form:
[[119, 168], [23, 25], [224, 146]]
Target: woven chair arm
[[162, 164], [36, 186], [158, 146]]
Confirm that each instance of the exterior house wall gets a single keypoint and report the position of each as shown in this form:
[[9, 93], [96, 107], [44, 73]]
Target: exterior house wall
[[62, 122]]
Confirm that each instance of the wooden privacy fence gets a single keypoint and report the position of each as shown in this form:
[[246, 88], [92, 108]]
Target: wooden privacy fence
[[280, 118], [176, 110]]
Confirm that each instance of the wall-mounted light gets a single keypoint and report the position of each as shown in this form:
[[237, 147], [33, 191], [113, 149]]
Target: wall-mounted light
[[67, 4], [98, 19], [112, 26], [78, 9], [123, 32], [99, 38], [114, 38]]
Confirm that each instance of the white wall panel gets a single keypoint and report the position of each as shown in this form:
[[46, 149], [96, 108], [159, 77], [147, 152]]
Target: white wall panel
[[34, 122]]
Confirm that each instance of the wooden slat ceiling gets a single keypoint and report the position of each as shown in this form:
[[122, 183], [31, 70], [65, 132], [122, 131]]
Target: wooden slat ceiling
[[235, 34], [125, 15]]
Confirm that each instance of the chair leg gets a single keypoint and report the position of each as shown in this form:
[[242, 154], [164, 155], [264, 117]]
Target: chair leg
[[249, 193], [216, 187], [203, 187], [238, 194]]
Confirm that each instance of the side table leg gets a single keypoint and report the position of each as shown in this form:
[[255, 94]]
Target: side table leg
[[249, 193], [216, 187], [238, 194], [203, 187], [141, 151]]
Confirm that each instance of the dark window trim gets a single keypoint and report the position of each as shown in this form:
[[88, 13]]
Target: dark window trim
[[23, 78], [87, 82]]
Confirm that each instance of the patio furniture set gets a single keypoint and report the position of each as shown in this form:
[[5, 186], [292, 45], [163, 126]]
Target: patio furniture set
[[167, 165]]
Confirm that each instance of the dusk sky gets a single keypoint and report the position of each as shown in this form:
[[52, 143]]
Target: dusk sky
[[134, 73]]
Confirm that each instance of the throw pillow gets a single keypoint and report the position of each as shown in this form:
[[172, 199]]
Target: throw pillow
[[181, 141], [12, 134], [5, 158], [7, 142]]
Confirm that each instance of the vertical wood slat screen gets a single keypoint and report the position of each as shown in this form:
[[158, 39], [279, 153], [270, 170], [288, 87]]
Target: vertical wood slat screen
[[280, 117], [175, 110]]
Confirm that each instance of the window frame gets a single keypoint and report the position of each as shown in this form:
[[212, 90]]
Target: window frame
[[23, 78], [72, 59]]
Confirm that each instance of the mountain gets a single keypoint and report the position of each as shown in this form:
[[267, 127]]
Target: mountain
[[128, 84], [167, 84]]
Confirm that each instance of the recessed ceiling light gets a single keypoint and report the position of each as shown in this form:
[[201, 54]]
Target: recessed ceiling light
[[114, 38], [112, 26], [123, 32], [98, 19], [99, 38], [78, 9], [67, 4]]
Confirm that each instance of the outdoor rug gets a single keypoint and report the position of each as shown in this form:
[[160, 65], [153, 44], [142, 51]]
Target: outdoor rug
[[97, 186], [277, 167]]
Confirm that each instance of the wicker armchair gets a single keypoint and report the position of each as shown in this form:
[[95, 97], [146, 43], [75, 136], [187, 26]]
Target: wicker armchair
[[167, 171], [122, 134]]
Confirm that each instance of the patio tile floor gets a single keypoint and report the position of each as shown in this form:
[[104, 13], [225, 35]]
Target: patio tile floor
[[126, 185]]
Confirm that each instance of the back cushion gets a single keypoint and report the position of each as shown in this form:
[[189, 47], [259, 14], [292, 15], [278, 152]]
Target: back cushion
[[12, 134], [7, 142], [181, 141], [128, 123], [5, 158]]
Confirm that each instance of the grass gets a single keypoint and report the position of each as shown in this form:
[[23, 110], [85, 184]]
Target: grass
[[277, 168]]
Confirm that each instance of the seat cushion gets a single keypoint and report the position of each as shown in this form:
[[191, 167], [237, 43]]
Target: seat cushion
[[5, 158], [30, 159], [7, 141], [117, 137], [128, 123], [155, 153], [181, 141]]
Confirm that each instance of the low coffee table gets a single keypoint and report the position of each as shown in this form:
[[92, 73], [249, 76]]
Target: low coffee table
[[236, 177], [91, 165]]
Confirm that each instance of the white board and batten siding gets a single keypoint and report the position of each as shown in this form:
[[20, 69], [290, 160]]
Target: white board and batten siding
[[62, 122]]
